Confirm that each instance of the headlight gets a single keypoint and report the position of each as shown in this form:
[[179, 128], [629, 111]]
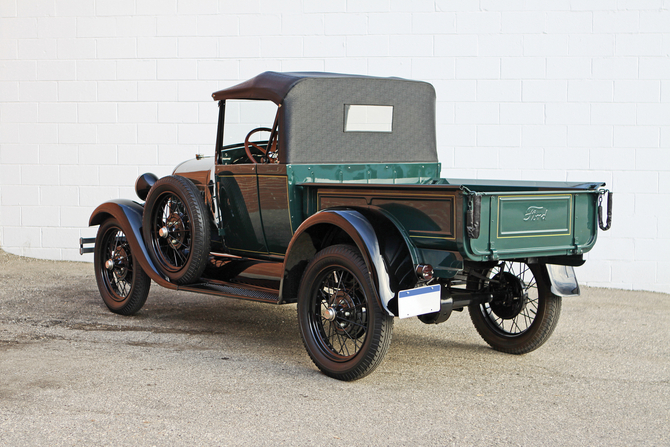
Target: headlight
[[143, 184]]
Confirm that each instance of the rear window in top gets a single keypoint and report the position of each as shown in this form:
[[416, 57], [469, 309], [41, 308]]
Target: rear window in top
[[368, 118]]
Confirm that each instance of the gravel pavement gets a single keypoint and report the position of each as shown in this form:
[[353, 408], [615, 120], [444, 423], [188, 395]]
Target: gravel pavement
[[193, 369]]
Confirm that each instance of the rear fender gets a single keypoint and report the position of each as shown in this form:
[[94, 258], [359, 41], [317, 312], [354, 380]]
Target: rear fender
[[129, 216], [384, 221], [308, 240], [562, 279]]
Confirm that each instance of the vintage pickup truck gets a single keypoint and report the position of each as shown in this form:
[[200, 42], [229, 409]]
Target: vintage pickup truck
[[340, 208]]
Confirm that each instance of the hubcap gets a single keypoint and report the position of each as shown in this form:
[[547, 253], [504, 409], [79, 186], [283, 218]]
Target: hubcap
[[328, 313], [109, 264], [175, 229], [163, 232]]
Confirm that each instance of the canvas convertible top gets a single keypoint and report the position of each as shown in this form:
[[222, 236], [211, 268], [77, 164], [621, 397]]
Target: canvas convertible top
[[274, 86], [313, 113]]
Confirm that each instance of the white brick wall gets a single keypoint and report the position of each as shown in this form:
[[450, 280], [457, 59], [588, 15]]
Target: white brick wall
[[92, 93]]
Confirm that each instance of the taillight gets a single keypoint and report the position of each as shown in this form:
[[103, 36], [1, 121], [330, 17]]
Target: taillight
[[424, 271]]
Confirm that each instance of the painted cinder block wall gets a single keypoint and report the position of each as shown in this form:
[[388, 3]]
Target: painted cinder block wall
[[94, 93]]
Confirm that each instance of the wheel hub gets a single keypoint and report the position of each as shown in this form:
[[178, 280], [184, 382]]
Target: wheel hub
[[347, 319], [510, 296], [343, 302], [174, 230], [118, 263]]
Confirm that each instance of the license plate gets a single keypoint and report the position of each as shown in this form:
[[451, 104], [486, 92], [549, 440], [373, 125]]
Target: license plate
[[419, 301]]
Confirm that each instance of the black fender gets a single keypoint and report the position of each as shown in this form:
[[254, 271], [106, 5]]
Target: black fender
[[562, 279], [129, 215], [399, 252], [313, 234]]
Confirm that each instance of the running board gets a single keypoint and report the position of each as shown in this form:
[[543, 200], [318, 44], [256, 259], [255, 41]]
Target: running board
[[231, 291]]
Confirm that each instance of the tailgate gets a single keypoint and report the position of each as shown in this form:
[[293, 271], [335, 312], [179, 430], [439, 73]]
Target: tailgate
[[531, 223]]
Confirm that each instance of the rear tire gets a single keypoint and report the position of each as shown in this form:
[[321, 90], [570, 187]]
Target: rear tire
[[344, 330], [523, 313]]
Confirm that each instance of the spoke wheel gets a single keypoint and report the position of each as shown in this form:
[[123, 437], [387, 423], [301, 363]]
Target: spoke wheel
[[176, 229], [343, 328], [122, 283], [172, 232], [523, 312]]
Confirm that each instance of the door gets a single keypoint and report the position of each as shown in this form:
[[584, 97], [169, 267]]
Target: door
[[240, 209], [274, 204]]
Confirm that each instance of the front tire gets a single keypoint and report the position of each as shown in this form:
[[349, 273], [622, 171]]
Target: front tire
[[344, 330], [523, 313], [122, 283], [176, 229]]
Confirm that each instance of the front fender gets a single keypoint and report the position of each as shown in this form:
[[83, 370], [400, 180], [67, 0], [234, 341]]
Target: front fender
[[129, 216], [361, 232]]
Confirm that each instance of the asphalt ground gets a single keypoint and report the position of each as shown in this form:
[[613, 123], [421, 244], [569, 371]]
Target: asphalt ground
[[193, 369]]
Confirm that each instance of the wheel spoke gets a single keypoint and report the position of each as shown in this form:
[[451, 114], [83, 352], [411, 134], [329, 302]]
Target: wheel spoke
[[344, 349], [344, 320], [353, 339], [182, 258], [532, 284], [339, 281], [324, 296], [340, 291]]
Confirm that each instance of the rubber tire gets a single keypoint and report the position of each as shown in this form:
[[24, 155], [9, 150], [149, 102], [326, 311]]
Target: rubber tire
[[198, 256], [380, 324], [546, 319], [139, 283]]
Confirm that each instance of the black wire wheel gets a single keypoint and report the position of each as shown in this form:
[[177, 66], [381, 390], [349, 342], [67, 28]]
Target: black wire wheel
[[176, 229], [344, 330], [122, 283], [523, 312]]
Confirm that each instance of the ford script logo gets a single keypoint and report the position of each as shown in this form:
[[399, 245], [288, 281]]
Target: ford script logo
[[535, 213]]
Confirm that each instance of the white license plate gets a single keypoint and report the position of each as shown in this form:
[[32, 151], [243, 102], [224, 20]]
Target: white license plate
[[419, 301]]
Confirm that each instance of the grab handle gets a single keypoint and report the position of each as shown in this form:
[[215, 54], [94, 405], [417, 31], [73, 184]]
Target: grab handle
[[608, 224]]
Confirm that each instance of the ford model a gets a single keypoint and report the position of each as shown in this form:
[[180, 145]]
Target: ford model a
[[330, 197]]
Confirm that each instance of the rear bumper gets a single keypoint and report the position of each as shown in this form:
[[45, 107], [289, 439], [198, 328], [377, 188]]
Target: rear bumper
[[85, 241]]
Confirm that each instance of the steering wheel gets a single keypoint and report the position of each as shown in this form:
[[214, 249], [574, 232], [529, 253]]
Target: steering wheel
[[248, 143]]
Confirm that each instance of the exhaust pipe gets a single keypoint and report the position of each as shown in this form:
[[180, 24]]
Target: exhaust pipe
[[454, 300]]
